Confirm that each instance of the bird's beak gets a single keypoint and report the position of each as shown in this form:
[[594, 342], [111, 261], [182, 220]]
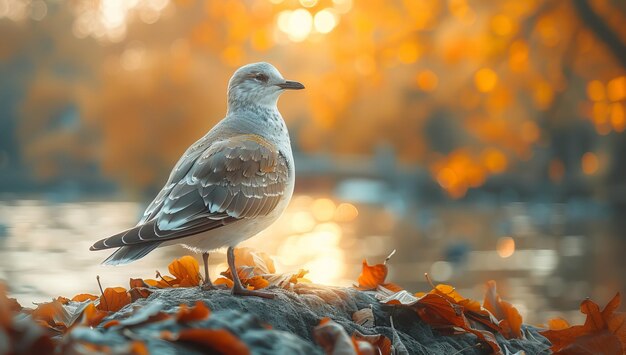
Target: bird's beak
[[290, 85]]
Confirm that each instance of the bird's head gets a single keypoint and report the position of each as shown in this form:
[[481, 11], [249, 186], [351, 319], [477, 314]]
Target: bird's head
[[258, 84]]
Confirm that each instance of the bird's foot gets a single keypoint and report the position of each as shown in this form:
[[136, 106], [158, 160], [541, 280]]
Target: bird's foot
[[245, 292]]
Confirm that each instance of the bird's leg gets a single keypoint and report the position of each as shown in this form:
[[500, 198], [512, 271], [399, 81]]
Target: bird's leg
[[238, 288], [207, 285]]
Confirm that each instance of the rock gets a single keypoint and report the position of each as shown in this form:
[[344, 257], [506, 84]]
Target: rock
[[284, 325]]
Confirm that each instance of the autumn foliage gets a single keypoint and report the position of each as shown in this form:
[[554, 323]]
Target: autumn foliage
[[604, 332], [443, 308], [62, 315]]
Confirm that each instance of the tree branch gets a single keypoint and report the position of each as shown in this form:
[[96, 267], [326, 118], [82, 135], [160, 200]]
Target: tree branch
[[601, 30]]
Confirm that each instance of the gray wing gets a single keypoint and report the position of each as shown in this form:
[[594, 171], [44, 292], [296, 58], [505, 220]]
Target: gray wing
[[233, 179]]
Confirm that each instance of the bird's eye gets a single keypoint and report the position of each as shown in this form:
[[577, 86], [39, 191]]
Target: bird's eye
[[261, 77]]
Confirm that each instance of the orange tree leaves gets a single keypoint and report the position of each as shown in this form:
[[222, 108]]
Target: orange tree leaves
[[602, 331], [509, 317], [216, 340], [373, 276]]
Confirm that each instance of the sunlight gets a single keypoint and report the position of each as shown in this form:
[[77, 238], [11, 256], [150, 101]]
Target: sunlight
[[108, 20], [325, 21]]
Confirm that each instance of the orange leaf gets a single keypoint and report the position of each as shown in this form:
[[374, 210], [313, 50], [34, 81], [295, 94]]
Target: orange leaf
[[439, 312], [217, 340], [333, 338], [602, 342], [113, 299], [257, 282], [93, 316], [557, 324], [111, 323], [8, 306], [138, 283], [63, 300], [138, 348], [186, 271], [196, 313], [167, 281], [372, 276], [602, 332], [224, 281], [49, 312], [509, 317], [139, 292], [84, 297], [379, 341]]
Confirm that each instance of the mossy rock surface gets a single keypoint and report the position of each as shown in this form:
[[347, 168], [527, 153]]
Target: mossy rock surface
[[284, 325]]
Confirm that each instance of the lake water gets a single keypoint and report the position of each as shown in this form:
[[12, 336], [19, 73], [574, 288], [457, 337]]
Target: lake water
[[44, 250]]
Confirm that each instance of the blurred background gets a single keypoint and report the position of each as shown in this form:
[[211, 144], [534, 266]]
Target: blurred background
[[481, 139]]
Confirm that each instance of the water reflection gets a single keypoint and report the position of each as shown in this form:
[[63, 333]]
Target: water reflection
[[539, 267]]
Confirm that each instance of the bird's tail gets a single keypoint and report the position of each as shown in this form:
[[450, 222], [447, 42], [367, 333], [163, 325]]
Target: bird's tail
[[130, 253]]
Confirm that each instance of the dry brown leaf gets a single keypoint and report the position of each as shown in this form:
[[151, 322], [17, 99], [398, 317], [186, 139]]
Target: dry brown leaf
[[113, 299], [215, 340], [138, 293], [364, 317], [196, 313], [84, 297], [92, 316], [557, 324], [381, 344], [331, 337], [373, 276], [602, 330], [509, 317], [186, 271]]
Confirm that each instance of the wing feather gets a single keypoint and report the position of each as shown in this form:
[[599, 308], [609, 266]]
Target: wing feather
[[237, 178]]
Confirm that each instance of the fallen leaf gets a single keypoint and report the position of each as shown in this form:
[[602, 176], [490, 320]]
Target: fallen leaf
[[364, 317], [138, 293], [63, 300], [51, 314], [111, 323], [92, 316], [381, 344], [138, 283], [372, 277], [166, 282], [8, 306], [557, 324], [506, 313], [603, 342], [224, 281], [150, 313], [186, 271], [216, 340], [331, 337], [602, 330], [196, 313], [113, 299], [84, 297], [138, 348]]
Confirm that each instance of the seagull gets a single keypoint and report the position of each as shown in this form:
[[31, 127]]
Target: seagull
[[228, 186]]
